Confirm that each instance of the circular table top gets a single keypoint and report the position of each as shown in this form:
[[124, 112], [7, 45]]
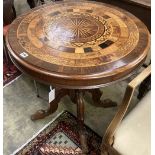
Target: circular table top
[[78, 44]]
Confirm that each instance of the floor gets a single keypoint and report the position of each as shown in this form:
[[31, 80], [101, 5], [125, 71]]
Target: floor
[[20, 102]]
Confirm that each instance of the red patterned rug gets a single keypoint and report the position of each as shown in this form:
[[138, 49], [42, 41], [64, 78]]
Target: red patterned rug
[[61, 137], [10, 72]]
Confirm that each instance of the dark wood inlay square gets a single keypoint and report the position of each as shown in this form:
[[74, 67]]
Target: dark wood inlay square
[[67, 49], [88, 49], [69, 10], [106, 44], [90, 11]]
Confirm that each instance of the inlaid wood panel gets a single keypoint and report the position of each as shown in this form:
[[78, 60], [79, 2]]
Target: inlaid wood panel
[[78, 44]]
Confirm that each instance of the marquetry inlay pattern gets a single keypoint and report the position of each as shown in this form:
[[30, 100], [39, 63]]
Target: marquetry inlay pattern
[[76, 29], [79, 38]]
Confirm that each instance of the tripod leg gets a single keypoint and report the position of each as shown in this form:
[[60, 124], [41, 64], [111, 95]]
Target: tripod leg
[[40, 114]]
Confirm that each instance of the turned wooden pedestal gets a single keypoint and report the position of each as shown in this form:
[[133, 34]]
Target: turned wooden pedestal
[[77, 97]]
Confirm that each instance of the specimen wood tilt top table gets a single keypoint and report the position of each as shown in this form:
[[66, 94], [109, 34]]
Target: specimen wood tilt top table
[[77, 47]]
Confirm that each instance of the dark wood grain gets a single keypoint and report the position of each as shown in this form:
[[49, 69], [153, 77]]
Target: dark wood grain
[[78, 45], [146, 3], [139, 8]]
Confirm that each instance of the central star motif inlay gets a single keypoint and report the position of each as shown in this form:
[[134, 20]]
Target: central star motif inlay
[[74, 29], [80, 28]]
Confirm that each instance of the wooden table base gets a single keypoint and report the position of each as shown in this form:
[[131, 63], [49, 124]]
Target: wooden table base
[[74, 96], [77, 97]]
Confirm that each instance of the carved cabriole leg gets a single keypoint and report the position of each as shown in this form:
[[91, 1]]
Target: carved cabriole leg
[[40, 114], [96, 96], [80, 115]]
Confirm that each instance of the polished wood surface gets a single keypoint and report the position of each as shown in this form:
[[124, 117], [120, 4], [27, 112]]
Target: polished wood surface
[[78, 44]]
